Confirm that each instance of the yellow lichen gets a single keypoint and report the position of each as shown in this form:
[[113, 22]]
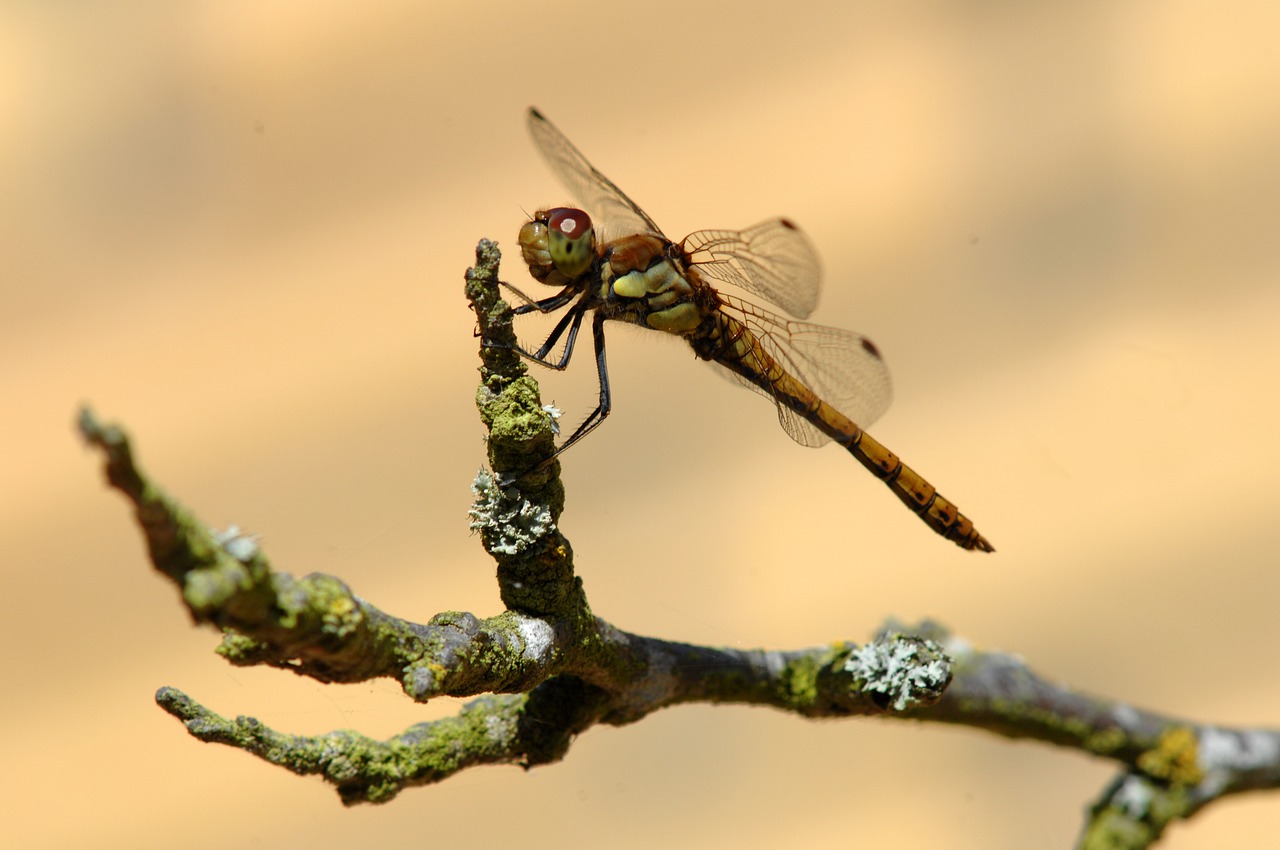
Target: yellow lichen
[[1175, 758]]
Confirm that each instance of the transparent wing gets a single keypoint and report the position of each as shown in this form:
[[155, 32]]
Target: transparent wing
[[842, 368], [602, 200], [773, 260]]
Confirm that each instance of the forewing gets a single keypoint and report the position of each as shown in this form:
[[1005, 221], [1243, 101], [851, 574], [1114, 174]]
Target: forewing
[[772, 260], [602, 200], [841, 367]]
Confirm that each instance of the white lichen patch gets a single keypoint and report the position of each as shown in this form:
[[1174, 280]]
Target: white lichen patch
[[1126, 716], [1242, 750], [553, 414], [906, 670], [538, 637], [1133, 797], [497, 728], [509, 522], [236, 543]]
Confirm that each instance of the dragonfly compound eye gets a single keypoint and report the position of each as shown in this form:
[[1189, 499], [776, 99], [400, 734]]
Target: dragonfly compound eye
[[571, 240]]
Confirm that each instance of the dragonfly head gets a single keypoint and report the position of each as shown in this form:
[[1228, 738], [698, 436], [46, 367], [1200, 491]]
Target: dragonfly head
[[558, 240]]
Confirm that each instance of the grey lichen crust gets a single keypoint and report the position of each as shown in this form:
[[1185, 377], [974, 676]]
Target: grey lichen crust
[[549, 669], [510, 522], [904, 670]]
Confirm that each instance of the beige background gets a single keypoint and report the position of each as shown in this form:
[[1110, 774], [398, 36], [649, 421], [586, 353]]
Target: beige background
[[241, 228]]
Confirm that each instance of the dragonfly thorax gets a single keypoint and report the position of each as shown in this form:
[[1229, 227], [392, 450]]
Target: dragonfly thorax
[[644, 279]]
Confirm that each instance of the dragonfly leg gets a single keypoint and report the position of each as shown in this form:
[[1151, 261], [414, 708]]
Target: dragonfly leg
[[544, 305], [606, 400], [571, 320]]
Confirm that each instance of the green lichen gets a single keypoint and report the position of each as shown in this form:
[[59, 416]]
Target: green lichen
[[240, 649], [1134, 812], [364, 769], [209, 589], [340, 615], [1104, 741], [1114, 830], [799, 681], [516, 415]]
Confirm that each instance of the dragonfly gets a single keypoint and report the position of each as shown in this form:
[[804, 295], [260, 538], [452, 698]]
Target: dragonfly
[[825, 383]]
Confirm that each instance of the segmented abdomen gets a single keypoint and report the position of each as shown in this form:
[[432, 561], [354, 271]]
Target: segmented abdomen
[[730, 343]]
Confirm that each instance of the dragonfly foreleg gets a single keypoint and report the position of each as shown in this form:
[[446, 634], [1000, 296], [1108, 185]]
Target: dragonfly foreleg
[[545, 305], [571, 320], [606, 401]]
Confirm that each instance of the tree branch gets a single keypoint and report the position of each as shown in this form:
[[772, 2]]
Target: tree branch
[[553, 669]]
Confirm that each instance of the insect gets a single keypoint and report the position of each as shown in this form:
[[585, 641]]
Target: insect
[[824, 382]]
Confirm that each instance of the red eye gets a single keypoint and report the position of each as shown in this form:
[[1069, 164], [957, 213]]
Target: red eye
[[573, 224]]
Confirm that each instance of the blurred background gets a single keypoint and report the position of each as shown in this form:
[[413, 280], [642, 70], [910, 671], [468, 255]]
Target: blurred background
[[240, 230]]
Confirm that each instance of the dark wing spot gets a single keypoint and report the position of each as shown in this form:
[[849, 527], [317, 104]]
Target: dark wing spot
[[870, 347], [788, 224]]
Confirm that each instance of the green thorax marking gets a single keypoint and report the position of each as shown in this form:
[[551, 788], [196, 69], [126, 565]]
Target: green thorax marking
[[644, 270]]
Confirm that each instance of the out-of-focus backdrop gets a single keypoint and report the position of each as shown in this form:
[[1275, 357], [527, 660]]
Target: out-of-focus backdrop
[[240, 230]]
